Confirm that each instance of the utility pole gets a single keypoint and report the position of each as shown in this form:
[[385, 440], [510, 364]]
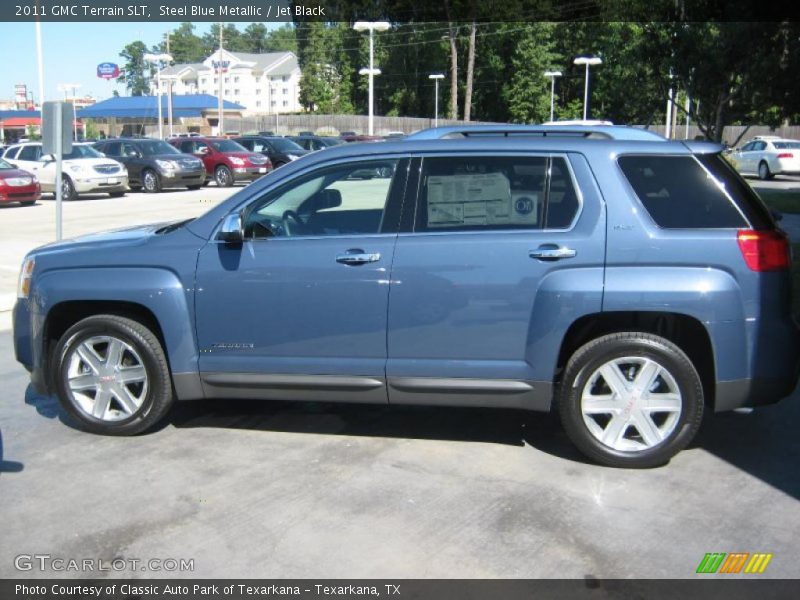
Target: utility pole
[[219, 104]]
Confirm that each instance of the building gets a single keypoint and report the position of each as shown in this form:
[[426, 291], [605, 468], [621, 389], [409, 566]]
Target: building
[[262, 83]]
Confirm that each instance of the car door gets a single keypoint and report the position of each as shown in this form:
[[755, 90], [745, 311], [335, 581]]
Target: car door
[[500, 256], [298, 310], [131, 156], [757, 155]]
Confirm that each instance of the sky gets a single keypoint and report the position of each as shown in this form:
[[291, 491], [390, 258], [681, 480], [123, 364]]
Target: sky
[[71, 53]]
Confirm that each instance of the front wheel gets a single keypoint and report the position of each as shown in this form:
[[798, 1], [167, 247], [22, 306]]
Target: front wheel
[[151, 182], [763, 171], [67, 189], [223, 176], [112, 375], [631, 400]]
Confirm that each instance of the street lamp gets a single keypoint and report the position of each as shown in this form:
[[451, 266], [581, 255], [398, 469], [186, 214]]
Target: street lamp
[[588, 61], [157, 59], [63, 87], [372, 71], [436, 77], [552, 75]]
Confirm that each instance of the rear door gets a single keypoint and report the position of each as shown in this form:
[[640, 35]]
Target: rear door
[[500, 256]]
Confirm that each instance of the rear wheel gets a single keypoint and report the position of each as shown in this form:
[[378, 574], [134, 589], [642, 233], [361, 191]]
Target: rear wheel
[[223, 176], [28, 203], [151, 181], [763, 171], [631, 400], [112, 375]]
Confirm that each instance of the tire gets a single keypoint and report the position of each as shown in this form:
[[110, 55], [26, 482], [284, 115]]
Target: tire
[[28, 203], [193, 187], [223, 176], [140, 356], [116, 194], [636, 438], [763, 171], [135, 188], [151, 182], [67, 188]]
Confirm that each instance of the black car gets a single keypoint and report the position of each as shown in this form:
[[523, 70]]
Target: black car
[[279, 150], [154, 164], [315, 142]]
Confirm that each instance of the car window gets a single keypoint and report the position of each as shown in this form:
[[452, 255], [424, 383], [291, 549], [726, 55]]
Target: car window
[[787, 145], [30, 153], [80, 151], [679, 193], [260, 146], [759, 146], [747, 147], [11, 153], [129, 150], [111, 148], [227, 146], [495, 193], [155, 147], [249, 144], [342, 200], [4, 165], [284, 145]]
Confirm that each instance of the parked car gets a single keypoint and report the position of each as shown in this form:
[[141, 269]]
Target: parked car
[[768, 156], [154, 164], [629, 282], [362, 138], [305, 133], [85, 171], [226, 161], [267, 133], [280, 151], [17, 185], [315, 142]]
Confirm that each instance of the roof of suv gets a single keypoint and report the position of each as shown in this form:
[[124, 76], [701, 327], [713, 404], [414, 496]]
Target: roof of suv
[[611, 132]]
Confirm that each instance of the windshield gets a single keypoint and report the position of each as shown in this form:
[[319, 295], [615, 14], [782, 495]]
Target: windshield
[[154, 147], [331, 141], [284, 145], [5, 165], [228, 146], [82, 152]]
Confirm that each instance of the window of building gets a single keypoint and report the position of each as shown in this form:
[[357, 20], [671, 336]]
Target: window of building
[[258, 103], [285, 91]]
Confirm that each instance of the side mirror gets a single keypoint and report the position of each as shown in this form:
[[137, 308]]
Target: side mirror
[[47, 158], [232, 230]]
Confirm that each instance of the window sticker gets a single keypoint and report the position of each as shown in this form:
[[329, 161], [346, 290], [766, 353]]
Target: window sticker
[[478, 199]]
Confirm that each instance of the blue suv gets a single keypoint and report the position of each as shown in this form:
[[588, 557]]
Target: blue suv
[[629, 282]]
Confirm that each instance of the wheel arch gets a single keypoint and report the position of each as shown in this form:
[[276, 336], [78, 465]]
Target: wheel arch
[[685, 331]]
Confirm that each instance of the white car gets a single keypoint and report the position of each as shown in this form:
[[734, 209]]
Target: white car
[[767, 156], [84, 170]]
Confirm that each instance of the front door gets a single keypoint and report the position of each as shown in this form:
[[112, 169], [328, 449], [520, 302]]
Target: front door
[[505, 251], [298, 311]]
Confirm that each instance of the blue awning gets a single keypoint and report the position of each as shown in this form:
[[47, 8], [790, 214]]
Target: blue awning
[[146, 107]]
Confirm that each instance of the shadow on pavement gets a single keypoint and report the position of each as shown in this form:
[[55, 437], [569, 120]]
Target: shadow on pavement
[[8, 466]]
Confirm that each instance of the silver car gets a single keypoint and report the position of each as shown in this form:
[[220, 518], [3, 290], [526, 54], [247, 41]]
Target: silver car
[[767, 156]]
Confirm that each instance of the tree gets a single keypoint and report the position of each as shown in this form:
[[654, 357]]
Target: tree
[[282, 39], [136, 73], [254, 38], [528, 91], [470, 72], [184, 45]]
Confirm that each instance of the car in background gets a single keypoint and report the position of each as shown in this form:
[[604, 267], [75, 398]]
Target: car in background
[[154, 164], [279, 150], [313, 143], [267, 133], [84, 170], [226, 161], [394, 135], [17, 185], [767, 156], [361, 138], [306, 133]]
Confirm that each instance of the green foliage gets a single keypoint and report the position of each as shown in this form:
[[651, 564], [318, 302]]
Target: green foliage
[[32, 133], [92, 132], [135, 72]]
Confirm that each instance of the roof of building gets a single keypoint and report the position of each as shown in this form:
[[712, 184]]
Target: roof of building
[[179, 68], [274, 63], [5, 115], [137, 107]]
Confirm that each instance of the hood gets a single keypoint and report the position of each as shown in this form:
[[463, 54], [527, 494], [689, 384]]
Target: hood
[[178, 157], [9, 173], [127, 236]]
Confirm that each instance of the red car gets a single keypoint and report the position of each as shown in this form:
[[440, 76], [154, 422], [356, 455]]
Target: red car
[[17, 185], [226, 161]]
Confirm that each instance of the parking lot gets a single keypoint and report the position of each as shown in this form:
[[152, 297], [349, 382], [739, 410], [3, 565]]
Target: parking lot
[[317, 490]]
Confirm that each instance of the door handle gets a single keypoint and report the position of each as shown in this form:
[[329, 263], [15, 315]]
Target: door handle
[[357, 257], [552, 252]]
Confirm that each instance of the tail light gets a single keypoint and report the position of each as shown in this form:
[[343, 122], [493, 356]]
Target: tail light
[[785, 155], [766, 250]]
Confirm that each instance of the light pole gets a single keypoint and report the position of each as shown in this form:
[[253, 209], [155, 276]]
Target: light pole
[[63, 87], [157, 59], [371, 71], [552, 75], [588, 61], [436, 77]]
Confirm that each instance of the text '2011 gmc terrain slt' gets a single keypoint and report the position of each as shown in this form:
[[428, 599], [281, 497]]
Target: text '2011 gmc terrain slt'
[[629, 282]]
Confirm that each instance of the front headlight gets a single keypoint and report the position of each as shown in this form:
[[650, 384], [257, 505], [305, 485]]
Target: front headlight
[[167, 165], [237, 161], [25, 277]]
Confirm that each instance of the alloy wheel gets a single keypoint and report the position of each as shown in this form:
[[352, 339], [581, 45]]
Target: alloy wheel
[[107, 378], [631, 404]]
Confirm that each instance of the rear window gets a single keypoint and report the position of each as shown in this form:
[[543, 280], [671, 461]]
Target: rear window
[[679, 193], [786, 145]]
